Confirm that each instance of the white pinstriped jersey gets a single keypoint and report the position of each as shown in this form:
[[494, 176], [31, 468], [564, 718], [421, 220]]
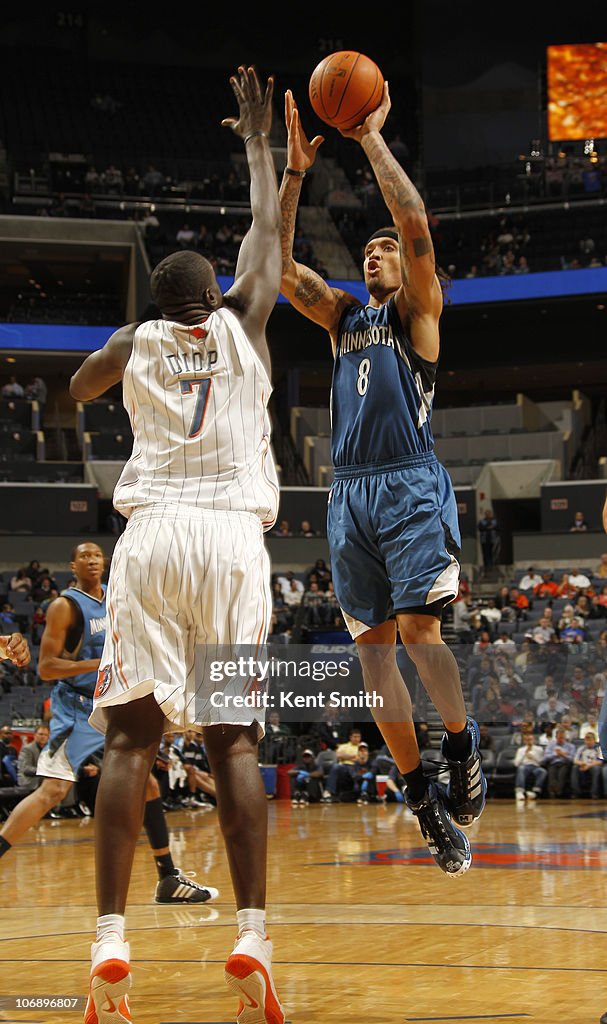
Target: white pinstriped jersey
[[197, 399]]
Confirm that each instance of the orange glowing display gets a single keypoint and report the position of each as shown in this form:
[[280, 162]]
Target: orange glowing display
[[577, 91]]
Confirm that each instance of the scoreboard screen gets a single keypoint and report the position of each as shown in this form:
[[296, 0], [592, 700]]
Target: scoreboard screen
[[577, 91]]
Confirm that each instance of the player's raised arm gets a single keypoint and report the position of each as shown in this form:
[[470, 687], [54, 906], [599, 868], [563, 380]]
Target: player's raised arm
[[420, 299], [305, 289], [257, 278], [102, 369]]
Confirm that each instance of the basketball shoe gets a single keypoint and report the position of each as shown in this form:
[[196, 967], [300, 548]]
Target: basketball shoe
[[182, 888], [467, 789], [110, 981], [248, 973], [447, 844]]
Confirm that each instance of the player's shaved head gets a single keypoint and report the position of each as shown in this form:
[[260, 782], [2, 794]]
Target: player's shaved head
[[182, 282]]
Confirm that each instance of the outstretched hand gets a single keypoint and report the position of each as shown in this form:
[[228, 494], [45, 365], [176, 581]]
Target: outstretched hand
[[301, 154], [374, 121], [15, 647], [255, 110]]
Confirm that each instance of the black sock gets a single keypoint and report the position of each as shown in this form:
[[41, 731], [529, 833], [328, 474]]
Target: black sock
[[165, 866], [459, 745], [5, 846], [416, 784]]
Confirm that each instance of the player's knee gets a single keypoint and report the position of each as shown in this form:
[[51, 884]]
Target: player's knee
[[52, 791], [135, 726], [229, 741], [132, 743], [378, 635], [419, 630], [152, 789]]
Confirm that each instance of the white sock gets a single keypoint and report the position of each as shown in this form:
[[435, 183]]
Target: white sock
[[110, 927], [252, 920]]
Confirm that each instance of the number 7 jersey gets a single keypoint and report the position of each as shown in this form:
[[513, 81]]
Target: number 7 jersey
[[197, 400], [382, 390]]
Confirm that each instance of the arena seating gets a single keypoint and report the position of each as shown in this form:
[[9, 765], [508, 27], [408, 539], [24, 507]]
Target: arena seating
[[23, 704], [61, 307], [102, 416], [104, 431], [19, 470], [148, 115], [113, 121], [23, 445], [466, 438], [19, 444], [548, 239], [312, 621], [16, 412]]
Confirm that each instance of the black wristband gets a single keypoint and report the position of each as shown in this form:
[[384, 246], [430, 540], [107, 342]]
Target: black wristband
[[255, 135], [295, 174]]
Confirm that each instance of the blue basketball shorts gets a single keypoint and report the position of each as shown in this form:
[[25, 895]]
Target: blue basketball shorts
[[394, 539], [72, 740]]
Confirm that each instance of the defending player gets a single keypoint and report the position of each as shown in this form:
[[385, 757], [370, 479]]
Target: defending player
[[70, 648], [392, 521], [191, 567]]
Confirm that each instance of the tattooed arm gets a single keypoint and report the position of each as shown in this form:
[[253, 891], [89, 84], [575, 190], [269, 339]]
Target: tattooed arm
[[304, 288], [420, 300]]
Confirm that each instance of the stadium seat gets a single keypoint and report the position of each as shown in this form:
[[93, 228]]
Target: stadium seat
[[10, 766]]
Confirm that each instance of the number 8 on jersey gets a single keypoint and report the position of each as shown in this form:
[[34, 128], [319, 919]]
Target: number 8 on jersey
[[363, 376]]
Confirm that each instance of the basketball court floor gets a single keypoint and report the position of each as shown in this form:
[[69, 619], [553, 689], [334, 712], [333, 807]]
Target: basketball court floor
[[365, 927]]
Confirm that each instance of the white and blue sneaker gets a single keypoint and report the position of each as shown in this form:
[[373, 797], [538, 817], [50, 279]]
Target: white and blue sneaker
[[448, 845], [467, 788]]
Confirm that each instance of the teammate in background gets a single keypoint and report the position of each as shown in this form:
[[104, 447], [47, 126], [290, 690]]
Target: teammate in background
[[193, 757], [392, 521], [191, 567], [70, 648]]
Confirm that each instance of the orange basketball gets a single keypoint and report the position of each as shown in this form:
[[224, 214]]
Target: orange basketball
[[345, 87]]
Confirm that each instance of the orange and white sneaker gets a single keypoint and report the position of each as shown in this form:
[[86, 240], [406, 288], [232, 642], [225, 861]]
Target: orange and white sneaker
[[108, 1002], [249, 974]]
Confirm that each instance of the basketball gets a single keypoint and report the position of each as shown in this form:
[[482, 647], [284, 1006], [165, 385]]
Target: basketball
[[345, 87]]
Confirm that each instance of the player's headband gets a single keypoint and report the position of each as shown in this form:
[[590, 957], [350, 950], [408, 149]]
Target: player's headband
[[383, 233]]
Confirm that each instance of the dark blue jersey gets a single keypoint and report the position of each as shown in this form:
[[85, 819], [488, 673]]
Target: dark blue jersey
[[89, 636], [382, 391]]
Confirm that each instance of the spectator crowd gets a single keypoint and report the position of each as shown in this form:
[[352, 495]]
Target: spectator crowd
[[533, 660]]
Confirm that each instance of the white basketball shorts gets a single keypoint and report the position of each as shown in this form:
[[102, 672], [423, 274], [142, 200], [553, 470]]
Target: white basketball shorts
[[182, 577]]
